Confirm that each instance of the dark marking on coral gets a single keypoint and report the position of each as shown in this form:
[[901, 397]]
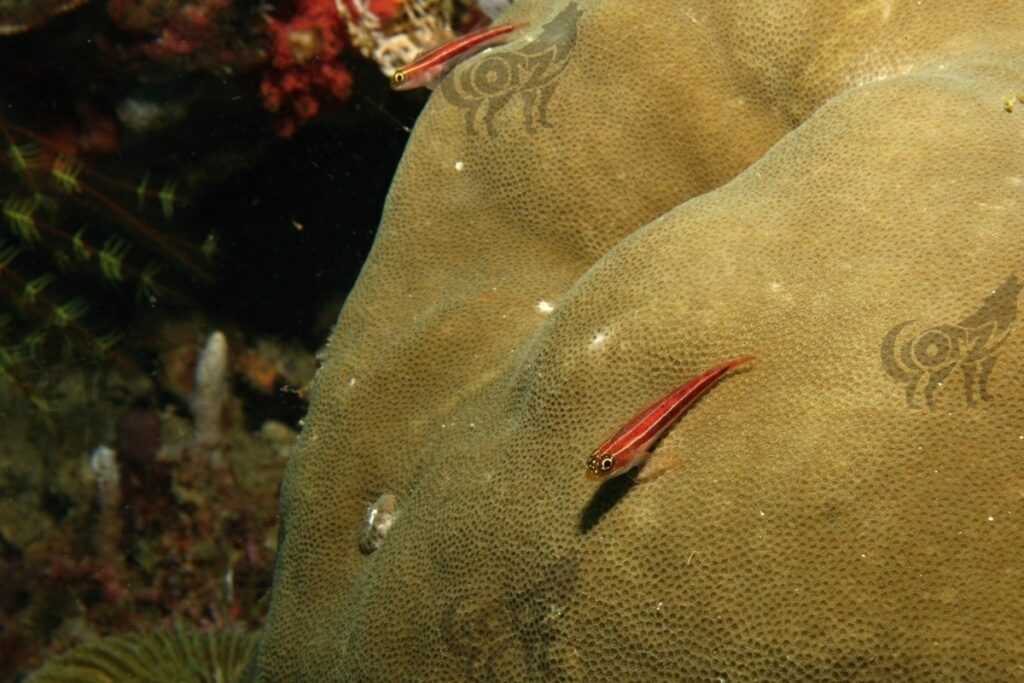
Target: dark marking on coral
[[932, 354], [531, 71], [519, 632]]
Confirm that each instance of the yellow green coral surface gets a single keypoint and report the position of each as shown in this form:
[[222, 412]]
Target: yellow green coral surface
[[624, 196]]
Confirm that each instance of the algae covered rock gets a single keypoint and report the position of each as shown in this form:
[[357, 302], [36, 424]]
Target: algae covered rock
[[621, 198]]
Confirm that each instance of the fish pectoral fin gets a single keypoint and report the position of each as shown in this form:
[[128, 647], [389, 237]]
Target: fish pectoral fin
[[658, 463]]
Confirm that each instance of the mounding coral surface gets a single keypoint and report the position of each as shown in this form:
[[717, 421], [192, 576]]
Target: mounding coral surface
[[621, 198]]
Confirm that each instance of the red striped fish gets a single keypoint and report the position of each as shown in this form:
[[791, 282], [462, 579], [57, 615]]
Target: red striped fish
[[428, 69], [631, 444]]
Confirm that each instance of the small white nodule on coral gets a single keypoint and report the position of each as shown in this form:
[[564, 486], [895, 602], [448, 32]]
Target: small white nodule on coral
[[377, 523]]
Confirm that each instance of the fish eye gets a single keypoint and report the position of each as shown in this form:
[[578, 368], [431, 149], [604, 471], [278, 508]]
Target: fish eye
[[607, 463], [399, 77]]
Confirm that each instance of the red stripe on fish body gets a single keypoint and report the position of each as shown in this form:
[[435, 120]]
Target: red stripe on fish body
[[626, 448], [433, 64]]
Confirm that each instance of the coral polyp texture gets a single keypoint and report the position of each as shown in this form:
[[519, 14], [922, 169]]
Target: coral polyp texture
[[623, 196], [178, 654]]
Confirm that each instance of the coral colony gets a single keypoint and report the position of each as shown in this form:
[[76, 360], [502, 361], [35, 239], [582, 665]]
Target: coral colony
[[165, 520], [305, 74], [147, 516], [306, 77], [394, 33]]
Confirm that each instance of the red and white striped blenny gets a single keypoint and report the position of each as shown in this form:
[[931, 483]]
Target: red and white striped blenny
[[630, 445], [428, 69]]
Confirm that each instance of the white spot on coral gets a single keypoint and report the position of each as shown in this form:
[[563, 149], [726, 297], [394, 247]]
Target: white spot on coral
[[377, 522], [598, 340], [351, 381], [991, 518], [776, 286], [460, 166], [544, 307]]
